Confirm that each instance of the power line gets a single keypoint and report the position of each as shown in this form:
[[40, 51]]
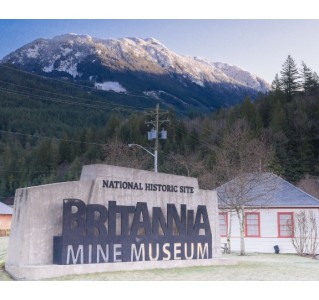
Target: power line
[[91, 106], [77, 103], [76, 84], [51, 138], [193, 137], [65, 101], [176, 128], [101, 144], [28, 171], [47, 98], [72, 97], [88, 143], [93, 89]]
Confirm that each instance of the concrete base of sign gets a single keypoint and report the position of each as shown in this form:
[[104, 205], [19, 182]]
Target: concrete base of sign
[[52, 271], [37, 218]]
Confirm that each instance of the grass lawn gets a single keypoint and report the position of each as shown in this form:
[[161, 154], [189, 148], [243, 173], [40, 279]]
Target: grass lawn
[[3, 254], [259, 267]]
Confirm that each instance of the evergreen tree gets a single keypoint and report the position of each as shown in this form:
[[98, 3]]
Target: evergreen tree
[[249, 113], [275, 85], [290, 78], [74, 170], [315, 81], [65, 150], [278, 121], [309, 78]]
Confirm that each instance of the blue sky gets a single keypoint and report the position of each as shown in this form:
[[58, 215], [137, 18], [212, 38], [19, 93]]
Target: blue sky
[[258, 46]]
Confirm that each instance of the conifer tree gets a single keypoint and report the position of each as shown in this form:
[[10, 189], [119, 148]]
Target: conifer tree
[[308, 79], [275, 85], [290, 78], [315, 79]]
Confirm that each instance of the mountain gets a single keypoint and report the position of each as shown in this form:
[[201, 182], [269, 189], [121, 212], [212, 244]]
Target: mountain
[[136, 66]]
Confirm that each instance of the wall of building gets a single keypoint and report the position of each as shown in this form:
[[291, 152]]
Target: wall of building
[[5, 224], [5, 221], [268, 232]]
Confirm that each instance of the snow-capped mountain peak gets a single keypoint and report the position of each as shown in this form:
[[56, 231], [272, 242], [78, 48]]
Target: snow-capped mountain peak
[[87, 58]]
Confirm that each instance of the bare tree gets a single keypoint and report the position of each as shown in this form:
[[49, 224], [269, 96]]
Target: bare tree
[[241, 165], [310, 185], [305, 233], [229, 228], [191, 165], [119, 154], [313, 242], [300, 232], [186, 164]]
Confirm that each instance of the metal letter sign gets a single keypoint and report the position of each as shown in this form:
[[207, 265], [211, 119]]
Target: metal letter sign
[[95, 234]]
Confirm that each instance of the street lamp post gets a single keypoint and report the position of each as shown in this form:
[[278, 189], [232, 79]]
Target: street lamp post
[[153, 154]]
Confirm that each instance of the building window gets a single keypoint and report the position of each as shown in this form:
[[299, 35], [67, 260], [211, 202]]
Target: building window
[[223, 224], [252, 224], [285, 224]]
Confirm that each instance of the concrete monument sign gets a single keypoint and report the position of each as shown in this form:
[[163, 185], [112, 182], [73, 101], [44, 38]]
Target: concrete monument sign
[[113, 219]]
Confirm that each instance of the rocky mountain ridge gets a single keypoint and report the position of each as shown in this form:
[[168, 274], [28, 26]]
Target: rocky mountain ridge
[[135, 65]]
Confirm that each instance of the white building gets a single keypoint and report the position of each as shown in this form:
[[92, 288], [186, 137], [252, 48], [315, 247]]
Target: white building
[[268, 225]]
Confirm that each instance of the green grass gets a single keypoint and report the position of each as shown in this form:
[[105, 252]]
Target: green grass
[[258, 267], [3, 255]]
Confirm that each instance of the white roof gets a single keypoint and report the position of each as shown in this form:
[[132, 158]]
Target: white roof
[[5, 209]]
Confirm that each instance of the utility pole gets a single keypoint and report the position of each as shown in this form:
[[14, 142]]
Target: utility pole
[[154, 134]]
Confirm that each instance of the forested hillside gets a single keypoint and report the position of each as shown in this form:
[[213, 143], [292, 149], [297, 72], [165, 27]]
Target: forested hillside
[[49, 129], [143, 67]]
